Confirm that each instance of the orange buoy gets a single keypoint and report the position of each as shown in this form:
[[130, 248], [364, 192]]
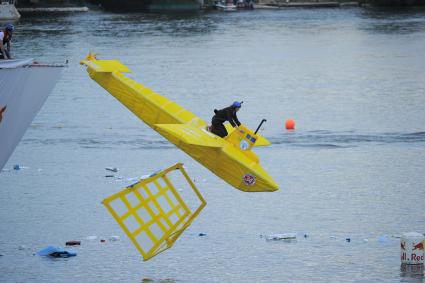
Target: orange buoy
[[290, 124]]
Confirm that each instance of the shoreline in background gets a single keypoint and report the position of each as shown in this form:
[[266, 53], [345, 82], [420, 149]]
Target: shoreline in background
[[82, 6], [264, 4]]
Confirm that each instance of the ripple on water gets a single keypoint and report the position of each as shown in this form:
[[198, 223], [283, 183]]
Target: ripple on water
[[329, 139]]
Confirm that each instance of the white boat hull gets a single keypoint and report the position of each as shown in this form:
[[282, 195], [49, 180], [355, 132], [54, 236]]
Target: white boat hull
[[8, 12], [225, 7], [24, 88]]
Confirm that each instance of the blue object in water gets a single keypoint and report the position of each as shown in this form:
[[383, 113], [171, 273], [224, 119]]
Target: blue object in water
[[56, 252], [383, 239], [348, 240], [202, 234], [16, 167]]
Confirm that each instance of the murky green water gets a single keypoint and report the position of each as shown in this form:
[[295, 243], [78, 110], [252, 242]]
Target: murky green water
[[351, 78]]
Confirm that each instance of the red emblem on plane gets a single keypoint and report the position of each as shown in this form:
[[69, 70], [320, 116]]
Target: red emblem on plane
[[249, 179]]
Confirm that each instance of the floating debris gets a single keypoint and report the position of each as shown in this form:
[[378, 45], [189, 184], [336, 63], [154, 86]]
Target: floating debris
[[114, 238], [202, 234], [58, 126], [113, 169], [56, 252], [19, 167], [164, 237], [73, 243], [143, 177], [383, 239], [22, 247], [285, 236]]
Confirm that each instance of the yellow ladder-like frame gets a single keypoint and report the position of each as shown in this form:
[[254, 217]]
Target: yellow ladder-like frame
[[151, 195]]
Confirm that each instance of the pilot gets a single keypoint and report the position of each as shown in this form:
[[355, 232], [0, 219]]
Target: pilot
[[223, 115], [5, 39]]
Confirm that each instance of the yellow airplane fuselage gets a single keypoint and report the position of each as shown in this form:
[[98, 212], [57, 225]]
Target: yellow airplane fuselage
[[229, 158]]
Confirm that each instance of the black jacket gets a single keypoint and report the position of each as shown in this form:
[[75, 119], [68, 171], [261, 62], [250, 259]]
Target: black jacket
[[226, 114], [7, 37]]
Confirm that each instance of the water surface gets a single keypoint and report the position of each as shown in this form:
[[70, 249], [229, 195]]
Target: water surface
[[352, 79]]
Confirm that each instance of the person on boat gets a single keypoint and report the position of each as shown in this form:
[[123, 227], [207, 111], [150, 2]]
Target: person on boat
[[223, 115], [5, 41], [2, 110]]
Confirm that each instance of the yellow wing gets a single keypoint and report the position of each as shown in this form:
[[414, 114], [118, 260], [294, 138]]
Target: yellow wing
[[151, 107], [190, 134]]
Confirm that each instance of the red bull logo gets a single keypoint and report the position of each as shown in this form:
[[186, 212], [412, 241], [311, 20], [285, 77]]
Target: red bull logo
[[249, 179], [418, 246], [2, 110], [417, 252], [412, 249]]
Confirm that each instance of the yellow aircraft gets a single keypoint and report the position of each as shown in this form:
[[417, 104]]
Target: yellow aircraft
[[230, 158]]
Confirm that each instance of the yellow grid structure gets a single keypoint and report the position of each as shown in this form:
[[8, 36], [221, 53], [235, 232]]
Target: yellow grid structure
[[153, 214]]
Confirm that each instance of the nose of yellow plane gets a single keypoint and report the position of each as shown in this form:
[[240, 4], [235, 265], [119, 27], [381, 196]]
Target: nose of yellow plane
[[270, 186], [273, 186]]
